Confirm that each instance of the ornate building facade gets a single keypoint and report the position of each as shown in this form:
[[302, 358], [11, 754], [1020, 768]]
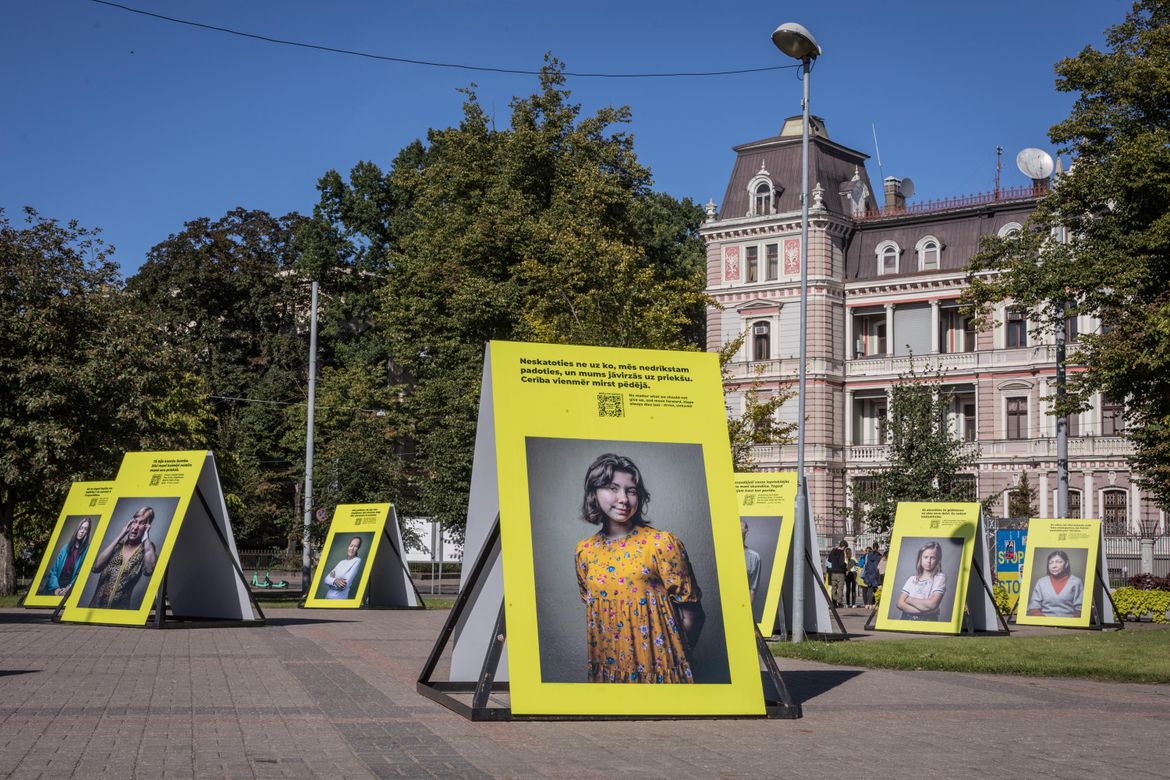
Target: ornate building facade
[[883, 289]]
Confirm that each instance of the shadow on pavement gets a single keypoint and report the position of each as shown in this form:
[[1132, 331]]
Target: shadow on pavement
[[809, 684], [9, 672], [26, 616], [300, 621]]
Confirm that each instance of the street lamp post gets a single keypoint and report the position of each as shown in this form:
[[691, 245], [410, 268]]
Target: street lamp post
[[307, 539], [797, 42]]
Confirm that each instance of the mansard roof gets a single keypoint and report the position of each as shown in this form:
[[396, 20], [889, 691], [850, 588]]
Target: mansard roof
[[957, 230], [830, 164]]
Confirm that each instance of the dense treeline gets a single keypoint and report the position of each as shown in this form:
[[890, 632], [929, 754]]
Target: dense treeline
[[547, 230]]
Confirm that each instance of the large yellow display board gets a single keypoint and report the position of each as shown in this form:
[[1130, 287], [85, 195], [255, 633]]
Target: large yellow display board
[[925, 586], [1060, 571], [134, 538], [71, 541], [767, 506], [623, 567], [348, 556]]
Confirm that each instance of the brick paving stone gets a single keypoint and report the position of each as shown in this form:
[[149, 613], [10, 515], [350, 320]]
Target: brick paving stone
[[331, 694]]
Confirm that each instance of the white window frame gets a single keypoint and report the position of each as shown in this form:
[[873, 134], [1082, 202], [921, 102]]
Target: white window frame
[[1015, 391], [1010, 229], [881, 250], [922, 247], [761, 178]]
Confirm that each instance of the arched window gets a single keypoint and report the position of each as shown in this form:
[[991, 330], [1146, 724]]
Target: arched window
[[887, 257], [929, 253], [1010, 229], [761, 341], [1115, 511], [763, 201]]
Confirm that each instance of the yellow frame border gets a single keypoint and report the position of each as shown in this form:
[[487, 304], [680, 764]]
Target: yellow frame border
[[523, 410], [344, 522], [916, 519], [134, 481], [765, 485], [79, 492], [1042, 533]]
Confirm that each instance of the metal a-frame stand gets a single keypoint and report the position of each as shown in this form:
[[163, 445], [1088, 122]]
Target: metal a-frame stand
[[405, 570], [777, 700]]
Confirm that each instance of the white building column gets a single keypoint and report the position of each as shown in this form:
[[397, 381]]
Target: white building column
[[848, 419], [890, 329], [1135, 507], [934, 325], [849, 345], [1044, 494], [1089, 499]]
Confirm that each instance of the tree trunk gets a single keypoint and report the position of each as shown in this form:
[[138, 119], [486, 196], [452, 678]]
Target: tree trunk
[[7, 560]]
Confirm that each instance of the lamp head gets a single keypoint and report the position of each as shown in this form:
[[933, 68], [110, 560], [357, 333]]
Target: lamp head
[[796, 41]]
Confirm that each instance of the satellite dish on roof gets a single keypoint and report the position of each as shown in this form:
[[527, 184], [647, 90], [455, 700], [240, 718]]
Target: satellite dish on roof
[[1034, 163], [907, 187]]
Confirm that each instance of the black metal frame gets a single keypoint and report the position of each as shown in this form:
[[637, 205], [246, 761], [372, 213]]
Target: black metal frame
[[844, 635], [778, 702]]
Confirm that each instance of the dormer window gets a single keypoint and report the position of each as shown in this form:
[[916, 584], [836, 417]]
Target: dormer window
[[1010, 230], [929, 252], [762, 192], [887, 257]]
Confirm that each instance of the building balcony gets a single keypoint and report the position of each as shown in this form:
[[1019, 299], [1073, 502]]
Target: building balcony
[[785, 455], [784, 368], [886, 365], [1042, 448]]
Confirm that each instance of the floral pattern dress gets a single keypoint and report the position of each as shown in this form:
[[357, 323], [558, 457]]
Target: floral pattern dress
[[629, 586]]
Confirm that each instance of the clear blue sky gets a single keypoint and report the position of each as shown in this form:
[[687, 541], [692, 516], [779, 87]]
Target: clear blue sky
[[136, 125]]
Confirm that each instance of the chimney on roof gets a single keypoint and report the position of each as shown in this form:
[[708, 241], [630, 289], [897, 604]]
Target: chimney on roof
[[895, 200]]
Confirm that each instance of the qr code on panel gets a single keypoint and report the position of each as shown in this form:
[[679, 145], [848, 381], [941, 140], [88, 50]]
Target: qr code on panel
[[610, 405]]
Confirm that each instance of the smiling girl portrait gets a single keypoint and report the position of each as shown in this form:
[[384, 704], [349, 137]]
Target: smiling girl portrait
[[643, 608]]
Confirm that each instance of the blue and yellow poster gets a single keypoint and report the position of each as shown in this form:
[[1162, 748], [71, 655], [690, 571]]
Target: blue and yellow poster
[[1010, 546]]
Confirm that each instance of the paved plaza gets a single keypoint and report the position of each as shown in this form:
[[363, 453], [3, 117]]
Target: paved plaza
[[331, 693]]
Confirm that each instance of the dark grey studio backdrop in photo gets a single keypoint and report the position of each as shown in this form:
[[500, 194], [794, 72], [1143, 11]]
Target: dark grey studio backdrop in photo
[[124, 509], [952, 556], [763, 535], [675, 476]]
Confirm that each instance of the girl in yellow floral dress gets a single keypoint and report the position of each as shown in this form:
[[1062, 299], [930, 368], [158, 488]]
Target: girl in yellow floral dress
[[642, 607]]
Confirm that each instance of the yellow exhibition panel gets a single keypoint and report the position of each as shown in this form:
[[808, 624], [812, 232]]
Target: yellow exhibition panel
[[134, 538], [71, 542], [623, 566], [347, 557], [925, 586], [1060, 573], [767, 509]]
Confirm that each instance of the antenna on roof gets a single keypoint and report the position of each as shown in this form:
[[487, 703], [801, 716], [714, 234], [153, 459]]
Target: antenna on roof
[[998, 168], [881, 173]]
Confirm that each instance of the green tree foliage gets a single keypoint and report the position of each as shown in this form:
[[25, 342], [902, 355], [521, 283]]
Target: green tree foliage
[[546, 230], [1101, 239], [757, 425], [225, 293], [925, 454], [1022, 499], [86, 378]]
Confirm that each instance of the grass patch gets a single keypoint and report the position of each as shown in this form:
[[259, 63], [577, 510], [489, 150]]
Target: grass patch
[[1131, 655], [10, 601]]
